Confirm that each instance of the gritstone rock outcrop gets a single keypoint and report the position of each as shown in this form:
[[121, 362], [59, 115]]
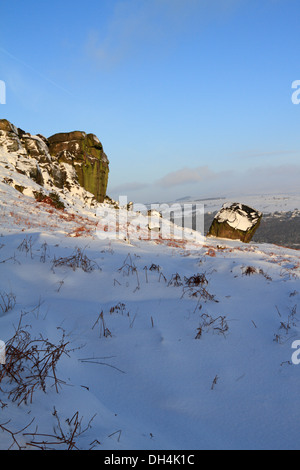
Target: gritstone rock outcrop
[[62, 161]]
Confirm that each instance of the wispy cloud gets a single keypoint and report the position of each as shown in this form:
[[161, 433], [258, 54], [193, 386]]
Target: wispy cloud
[[262, 154], [128, 187], [34, 71], [285, 173], [186, 176], [135, 24]]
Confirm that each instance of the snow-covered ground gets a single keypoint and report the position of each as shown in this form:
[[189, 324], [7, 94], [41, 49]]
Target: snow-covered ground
[[170, 344]]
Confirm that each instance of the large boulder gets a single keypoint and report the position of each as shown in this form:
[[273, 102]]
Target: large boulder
[[236, 222], [85, 153]]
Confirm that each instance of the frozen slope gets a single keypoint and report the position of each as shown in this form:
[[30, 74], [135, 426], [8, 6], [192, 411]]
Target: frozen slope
[[156, 358]]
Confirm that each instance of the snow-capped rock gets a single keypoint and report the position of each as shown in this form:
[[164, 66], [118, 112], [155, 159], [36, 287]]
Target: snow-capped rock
[[235, 221]]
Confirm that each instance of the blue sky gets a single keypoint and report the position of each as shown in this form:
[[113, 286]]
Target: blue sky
[[189, 97]]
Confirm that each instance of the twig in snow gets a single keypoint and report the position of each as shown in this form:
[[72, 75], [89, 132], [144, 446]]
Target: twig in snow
[[117, 432], [215, 381], [14, 434]]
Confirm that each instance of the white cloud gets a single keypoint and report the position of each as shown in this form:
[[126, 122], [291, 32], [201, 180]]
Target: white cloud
[[138, 23], [186, 176]]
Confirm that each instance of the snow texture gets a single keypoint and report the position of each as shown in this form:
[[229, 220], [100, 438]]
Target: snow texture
[[237, 217], [174, 344]]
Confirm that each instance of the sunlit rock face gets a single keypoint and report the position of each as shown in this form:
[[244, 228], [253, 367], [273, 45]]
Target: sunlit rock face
[[235, 221], [85, 153]]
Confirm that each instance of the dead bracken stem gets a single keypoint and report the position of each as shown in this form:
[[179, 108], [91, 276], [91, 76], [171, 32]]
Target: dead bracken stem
[[117, 432], [217, 325], [44, 249], [7, 301], [60, 438], [13, 435], [26, 246], [133, 320], [278, 311], [30, 365], [104, 332], [119, 308], [12, 258], [291, 321], [161, 275], [129, 267], [175, 281], [215, 381], [77, 260], [98, 361], [195, 287]]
